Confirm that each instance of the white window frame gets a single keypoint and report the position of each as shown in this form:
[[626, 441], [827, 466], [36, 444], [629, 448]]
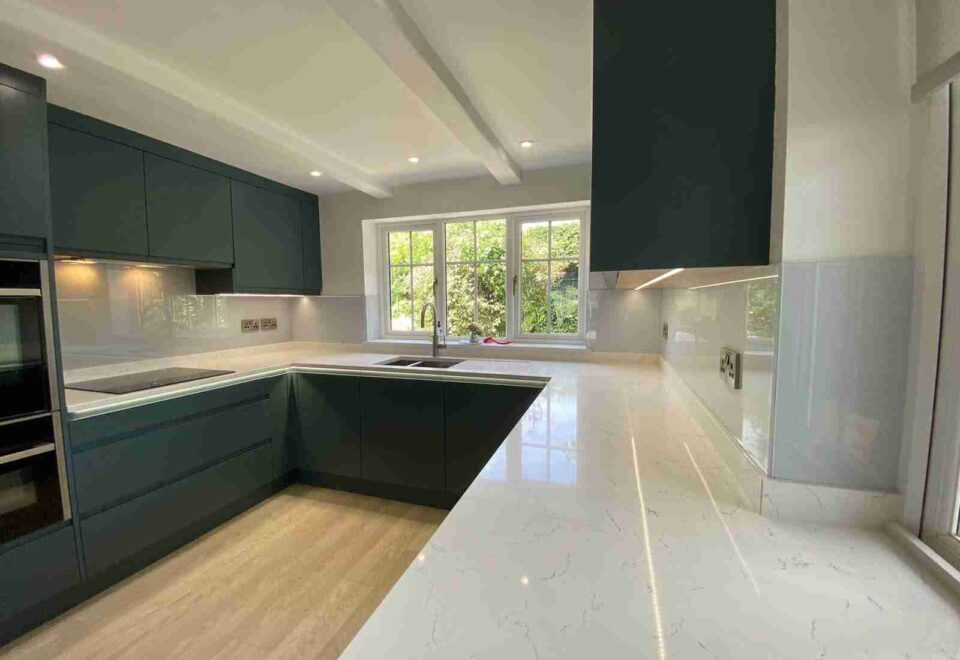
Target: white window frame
[[514, 220]]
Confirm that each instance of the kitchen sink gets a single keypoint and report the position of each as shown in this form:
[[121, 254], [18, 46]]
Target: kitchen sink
[[427, 363]]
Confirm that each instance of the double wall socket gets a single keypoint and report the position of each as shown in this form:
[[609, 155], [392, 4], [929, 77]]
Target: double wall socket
[[268, 324], [730, 368], [249, 325]]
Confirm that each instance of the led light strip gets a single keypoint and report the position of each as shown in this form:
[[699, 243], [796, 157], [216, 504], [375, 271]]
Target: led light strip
[[749, 279], [660, 278]]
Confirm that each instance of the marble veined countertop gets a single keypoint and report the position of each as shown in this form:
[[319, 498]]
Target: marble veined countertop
[[607, 526]]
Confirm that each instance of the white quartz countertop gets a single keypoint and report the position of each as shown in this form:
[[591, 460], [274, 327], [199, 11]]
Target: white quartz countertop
[[607, 526]]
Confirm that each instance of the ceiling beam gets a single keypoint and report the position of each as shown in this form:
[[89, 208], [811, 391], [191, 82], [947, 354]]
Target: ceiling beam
[[91, 44], [388, 29]]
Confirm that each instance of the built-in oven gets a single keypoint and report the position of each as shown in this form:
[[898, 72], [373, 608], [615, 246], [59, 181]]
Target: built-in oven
[[33, 487]]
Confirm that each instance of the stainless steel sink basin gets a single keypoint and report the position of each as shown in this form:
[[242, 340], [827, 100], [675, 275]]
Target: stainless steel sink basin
[[427, 363]]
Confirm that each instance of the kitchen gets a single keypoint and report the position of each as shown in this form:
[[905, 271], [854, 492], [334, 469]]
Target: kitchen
[[393, 329]]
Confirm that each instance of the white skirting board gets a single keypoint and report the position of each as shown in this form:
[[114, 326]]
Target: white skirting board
[[780, 498]]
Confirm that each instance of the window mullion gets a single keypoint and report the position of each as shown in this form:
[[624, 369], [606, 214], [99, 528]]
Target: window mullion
[[549, 277]]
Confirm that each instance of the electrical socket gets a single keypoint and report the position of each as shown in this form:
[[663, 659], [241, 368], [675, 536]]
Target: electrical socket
[[249, 325], [730, 368], [268, 324]]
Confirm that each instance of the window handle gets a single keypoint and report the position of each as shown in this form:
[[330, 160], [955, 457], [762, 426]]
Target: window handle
[[514, 285], [435, 281]]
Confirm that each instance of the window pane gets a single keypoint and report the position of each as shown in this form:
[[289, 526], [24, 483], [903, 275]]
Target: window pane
[[401, 313], [565, 238], [399, 245], [564, 296], [460, 241], [533, 297], [459, 299], [533, 240], [492, 299], [422, 246], [422, 294], [491, 240]]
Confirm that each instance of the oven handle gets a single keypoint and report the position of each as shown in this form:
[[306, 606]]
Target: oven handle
[[21, 293], [27, 453]]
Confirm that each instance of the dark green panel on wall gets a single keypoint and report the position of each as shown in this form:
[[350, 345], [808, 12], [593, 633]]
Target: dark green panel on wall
[[23, 163], [267, 239], [683, 104], [310, 229], [188, 212], [97, 194]]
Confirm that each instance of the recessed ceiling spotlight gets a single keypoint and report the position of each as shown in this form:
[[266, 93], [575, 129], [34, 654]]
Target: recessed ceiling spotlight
[[526, 144], [49, 61], [414, 159], [316, 173]]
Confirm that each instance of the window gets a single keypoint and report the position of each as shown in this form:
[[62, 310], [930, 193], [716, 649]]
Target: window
[[411, 276], [515, 276]]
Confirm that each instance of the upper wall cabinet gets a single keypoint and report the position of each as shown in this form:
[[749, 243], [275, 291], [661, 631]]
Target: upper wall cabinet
[[24, 224], [310, 234], [121, 195], [188, 212], [267, 229], [97, 191], [682, 134]]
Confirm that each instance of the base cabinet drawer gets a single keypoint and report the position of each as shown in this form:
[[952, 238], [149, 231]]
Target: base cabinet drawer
[[329, 412], [32, 572], [114, 472], [150, 526]]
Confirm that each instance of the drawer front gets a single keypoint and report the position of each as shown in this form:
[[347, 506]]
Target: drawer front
[[156, 523], [101, 428], [39, 569], [139, 463]]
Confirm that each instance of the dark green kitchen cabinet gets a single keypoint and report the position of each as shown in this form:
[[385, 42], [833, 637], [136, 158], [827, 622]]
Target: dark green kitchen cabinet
[[97, 195], [401, 432], [682, 134], [310, 229], [24, 223], [267, 238], [126, 537], [33, 572], [329, 415], [478, 418], [188, 211]]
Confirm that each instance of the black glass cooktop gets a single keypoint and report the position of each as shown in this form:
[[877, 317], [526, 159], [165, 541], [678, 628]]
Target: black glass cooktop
[[144, 380]]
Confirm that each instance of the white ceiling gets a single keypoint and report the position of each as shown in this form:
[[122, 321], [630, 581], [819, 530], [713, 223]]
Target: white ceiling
[[286, 87]]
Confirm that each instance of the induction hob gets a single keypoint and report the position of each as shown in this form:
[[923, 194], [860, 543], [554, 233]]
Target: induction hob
[[144, 380]]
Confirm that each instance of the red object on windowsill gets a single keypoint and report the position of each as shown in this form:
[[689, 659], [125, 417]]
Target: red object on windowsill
[[491, 340]]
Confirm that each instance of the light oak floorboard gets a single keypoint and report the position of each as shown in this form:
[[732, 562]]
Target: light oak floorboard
[[294, 577]]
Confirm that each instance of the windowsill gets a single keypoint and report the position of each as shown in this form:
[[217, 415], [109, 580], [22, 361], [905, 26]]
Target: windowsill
[[572, 348]]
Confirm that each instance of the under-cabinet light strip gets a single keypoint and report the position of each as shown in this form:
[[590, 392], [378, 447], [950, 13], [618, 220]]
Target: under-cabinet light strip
[[659, 278], [749, 279]]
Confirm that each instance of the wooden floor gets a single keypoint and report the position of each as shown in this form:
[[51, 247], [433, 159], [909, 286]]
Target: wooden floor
[[295, 577]]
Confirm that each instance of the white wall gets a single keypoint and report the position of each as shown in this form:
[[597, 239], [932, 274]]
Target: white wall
[[848, 130]]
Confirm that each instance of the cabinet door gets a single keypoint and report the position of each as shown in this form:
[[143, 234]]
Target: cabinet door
[[37, 570], [682, 145], [478, 418], [329, 410], [23, 174], [312, 273], [266, 239], [188, 212], [96, 188], [401, 426]]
